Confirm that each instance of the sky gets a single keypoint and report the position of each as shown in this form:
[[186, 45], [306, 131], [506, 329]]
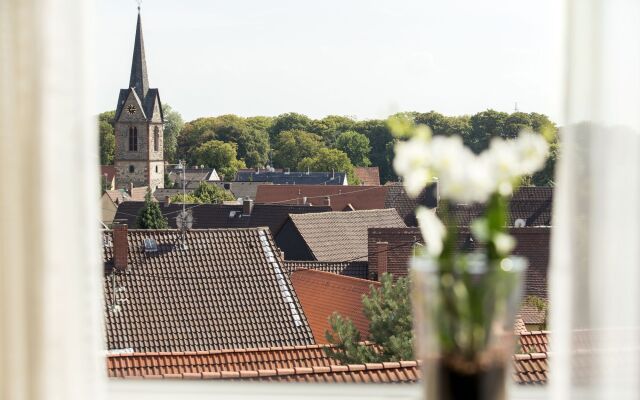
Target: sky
[[359, 58]]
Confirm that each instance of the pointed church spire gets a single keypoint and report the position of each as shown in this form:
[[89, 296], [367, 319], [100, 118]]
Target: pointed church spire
[[139, 79]]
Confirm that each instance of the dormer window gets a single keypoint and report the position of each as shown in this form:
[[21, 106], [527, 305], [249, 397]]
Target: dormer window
[[133, 138]]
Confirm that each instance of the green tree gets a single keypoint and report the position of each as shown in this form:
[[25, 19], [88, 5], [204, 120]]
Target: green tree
[[209, 193], [107, 137], [484, 126], [293, 146], [444, 125], [356, 146], [194, 134], [328, 160], [188, 198], [381, 141], [150, 216], [173, 124], [330, 127], [289, 122], [388, 309], [219, 155]]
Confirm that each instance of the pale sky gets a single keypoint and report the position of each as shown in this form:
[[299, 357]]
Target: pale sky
[[361, 58]]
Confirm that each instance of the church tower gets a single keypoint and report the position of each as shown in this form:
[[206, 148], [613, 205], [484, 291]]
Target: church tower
[[139, 124]]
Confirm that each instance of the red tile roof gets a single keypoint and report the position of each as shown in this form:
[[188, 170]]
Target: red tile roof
[[162, 363], [289, 364], [322, 293], [368, 176], [228, 289], [341, 236], [360, 197], [530, 369], [388, 372], [534, 342]]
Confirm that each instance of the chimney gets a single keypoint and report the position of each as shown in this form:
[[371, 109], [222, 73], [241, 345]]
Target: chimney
[[247, 206], [167, 201], [120, 247], [327, 201], [130, 188], [382, 253]]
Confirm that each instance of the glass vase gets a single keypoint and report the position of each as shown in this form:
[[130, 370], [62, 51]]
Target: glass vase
[[464, 312]]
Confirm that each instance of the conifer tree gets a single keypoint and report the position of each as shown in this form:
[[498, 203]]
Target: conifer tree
[[388, 309], [150, 216]]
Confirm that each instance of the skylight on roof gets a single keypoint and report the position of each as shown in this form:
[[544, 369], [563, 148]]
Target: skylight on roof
[[150, 245]]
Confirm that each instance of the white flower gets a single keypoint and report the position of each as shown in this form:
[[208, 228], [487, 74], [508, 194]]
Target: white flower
[[432, 229], [532, 150], [463, 177], [411, 161], [504, 166], [504, 242]]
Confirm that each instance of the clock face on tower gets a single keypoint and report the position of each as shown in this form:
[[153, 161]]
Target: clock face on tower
[[131, 109]]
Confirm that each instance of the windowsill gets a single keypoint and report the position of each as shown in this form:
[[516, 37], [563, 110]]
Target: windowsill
[[196, 390]]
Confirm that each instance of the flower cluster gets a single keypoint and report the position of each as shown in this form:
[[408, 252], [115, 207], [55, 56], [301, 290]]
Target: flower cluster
[[462, 175]]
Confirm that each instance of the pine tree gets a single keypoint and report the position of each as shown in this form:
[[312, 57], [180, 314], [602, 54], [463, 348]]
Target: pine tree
[[150, 217], [388, 309]]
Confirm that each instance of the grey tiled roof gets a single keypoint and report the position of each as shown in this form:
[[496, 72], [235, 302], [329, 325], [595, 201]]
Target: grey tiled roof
[[397, 198], [293, 178], [227, 290], [355, 269], [342, 236], [530, 203], [207, 216]]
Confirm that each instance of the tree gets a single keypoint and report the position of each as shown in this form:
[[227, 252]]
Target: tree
[[443, 125], [484, 126], [209, 193], [173, 124], [330, 127], [219, 155], [356, 146], [388, 309], [194, 134], [150, 216], [328, 160], [541, 305], [381, 141], [289, 122], [293, 146], [107, 137]]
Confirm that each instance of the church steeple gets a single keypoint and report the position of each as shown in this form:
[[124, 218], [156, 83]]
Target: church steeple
[[139, 79]]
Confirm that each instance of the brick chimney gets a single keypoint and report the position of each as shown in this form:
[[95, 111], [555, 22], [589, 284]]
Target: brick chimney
[[327, 201], [120, 247], [247, 206], [382, 255]]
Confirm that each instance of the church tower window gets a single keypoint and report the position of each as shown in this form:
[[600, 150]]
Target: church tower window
[[133, 139], [132, 169], [156, 139]]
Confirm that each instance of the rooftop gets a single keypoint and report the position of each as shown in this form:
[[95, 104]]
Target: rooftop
[[323, 293], [227, 290], [209, 216], [342, 236], [293, 178]]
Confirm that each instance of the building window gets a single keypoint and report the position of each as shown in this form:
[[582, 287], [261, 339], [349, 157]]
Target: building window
[[132, 169], [156, 169], [156, 139], [133, 138]]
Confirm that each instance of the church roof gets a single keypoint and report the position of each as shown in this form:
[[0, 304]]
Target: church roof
[[139, 80]]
